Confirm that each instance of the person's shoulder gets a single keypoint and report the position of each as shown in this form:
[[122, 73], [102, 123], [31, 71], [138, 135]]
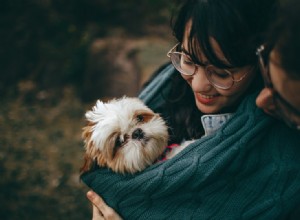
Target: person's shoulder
[[156, 89], [273, 128], [295, 214], [287, 134], [162, 69]]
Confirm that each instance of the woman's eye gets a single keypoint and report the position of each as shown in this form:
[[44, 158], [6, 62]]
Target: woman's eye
[[222, 75], [140, 118], [219, 74], [188, 62], [185, 60]]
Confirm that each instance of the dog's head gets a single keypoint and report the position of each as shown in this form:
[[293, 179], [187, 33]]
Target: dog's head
[[124, 135]]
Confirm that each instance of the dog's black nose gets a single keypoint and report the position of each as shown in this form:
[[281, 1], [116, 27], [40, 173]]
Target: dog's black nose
[[138, 134]]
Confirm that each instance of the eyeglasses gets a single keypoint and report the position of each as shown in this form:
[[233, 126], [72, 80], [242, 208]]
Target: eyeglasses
[[284, 110], [219, 78]]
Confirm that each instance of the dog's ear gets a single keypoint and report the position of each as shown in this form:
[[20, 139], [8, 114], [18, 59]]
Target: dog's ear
[[87, 131], [90, 163], [86, 136], [93, 156]]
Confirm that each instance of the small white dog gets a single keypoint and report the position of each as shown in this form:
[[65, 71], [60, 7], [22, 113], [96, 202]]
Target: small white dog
[[124, 135]]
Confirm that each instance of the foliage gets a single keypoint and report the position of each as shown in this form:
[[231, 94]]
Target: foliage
[[47, 41]]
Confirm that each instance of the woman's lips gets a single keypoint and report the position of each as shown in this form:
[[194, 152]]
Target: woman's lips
[[206, 99]]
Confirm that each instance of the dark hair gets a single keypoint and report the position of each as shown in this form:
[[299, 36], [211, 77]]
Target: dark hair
[[238, 27], [284, 34]]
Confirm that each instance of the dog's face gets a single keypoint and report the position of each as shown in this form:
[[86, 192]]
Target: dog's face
[[124, 135]]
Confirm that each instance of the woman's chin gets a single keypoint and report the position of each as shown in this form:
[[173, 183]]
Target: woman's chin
[[208, 109]]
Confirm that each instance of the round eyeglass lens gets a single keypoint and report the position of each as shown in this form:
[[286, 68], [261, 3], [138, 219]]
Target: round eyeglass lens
[[219, 77], [183, 63]]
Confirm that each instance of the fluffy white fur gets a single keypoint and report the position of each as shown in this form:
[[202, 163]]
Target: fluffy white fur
[[123, 134]]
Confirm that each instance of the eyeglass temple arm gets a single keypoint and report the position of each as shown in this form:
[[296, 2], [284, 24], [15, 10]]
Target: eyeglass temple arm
[[170, 51], [242, 77]]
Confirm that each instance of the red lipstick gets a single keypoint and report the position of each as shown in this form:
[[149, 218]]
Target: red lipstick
[[206, 99]]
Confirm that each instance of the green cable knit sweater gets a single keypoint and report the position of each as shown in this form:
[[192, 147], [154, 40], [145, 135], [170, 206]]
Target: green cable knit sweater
[[248, 169]]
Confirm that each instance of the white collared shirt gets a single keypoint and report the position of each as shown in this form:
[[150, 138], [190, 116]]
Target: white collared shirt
[[211, 123]]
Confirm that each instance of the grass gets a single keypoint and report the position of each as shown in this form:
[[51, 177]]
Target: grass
[[40, 156]]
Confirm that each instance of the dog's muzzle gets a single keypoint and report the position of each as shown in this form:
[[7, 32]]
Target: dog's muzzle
[[138, 134]]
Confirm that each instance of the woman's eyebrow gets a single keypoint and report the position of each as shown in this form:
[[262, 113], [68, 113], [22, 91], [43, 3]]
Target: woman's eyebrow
[[188, 54], [206, 62], [223, 59]]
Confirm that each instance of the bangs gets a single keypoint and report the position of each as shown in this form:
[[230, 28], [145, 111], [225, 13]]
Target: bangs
[[200, 38], [217, 21]]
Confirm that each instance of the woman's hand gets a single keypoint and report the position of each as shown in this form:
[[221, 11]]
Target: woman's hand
[[101, 211]]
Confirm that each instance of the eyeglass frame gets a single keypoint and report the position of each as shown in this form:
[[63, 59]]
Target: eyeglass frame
[[205, 69], [278, 100]]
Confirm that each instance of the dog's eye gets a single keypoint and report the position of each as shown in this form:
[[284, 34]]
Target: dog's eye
[[140, 118], [118, 142]]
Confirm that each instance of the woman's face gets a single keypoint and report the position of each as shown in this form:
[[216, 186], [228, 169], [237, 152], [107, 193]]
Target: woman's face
[[209, 99]]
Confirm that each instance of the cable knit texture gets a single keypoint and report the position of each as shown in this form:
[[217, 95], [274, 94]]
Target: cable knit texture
[[248, 169]]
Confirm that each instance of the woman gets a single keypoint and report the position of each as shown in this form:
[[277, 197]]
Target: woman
[[237, 168]]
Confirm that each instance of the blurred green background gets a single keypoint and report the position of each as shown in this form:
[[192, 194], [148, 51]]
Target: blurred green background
[[57, 57]]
